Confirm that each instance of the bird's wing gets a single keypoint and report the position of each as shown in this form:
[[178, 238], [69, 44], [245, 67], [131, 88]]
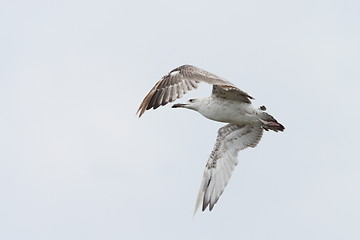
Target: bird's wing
[[231, 93], [178, 82], [230, 140]]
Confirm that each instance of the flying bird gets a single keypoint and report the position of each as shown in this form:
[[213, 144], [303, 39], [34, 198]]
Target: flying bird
[[228, 104]]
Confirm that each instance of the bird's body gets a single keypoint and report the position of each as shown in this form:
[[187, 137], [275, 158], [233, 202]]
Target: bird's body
[[228, 111], [227, 104]]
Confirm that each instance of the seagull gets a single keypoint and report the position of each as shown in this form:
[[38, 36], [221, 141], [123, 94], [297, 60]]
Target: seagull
[[228, 104]]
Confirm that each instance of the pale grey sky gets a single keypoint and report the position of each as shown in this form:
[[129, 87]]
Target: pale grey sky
[[76, 163]]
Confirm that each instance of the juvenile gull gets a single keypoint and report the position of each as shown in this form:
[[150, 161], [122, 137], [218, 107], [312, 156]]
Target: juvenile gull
[[227, 104]]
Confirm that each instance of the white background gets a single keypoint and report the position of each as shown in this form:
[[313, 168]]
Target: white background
[[76, 163]]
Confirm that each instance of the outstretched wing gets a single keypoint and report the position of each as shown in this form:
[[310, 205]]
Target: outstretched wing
[[230, 140], [176, 83]]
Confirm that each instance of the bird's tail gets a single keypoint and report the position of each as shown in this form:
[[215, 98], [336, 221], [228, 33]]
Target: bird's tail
[[269, 122]]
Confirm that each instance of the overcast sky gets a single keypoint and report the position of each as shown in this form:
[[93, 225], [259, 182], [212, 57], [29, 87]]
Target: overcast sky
[[76, 163]]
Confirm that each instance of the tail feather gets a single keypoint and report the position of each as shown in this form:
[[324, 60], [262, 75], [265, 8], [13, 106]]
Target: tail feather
[[270, 123]]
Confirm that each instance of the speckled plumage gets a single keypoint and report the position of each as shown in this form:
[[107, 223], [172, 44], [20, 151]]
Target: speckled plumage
[[228, 104]]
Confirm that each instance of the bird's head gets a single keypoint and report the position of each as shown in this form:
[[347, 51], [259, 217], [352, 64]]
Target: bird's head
[[193, 104]]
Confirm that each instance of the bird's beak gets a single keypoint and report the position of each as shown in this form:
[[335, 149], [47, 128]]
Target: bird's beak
[[179, 105]]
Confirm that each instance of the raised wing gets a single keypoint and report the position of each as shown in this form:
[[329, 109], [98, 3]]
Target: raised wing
[[231, 93], [176, 83], [230, 140]]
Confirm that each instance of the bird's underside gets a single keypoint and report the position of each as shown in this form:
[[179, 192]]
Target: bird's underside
[[231, 138]]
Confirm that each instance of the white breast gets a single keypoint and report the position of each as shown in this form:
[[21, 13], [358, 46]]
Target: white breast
[[229, 111]]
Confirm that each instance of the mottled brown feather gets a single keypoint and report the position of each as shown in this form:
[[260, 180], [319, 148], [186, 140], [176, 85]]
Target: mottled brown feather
[[183, 79]]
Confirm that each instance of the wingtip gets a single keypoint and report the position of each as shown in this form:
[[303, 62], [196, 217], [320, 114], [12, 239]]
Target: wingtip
[[200, 196], [139, 112], [198, 202]]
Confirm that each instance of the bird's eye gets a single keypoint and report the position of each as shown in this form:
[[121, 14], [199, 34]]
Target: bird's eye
[[192, 100]]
